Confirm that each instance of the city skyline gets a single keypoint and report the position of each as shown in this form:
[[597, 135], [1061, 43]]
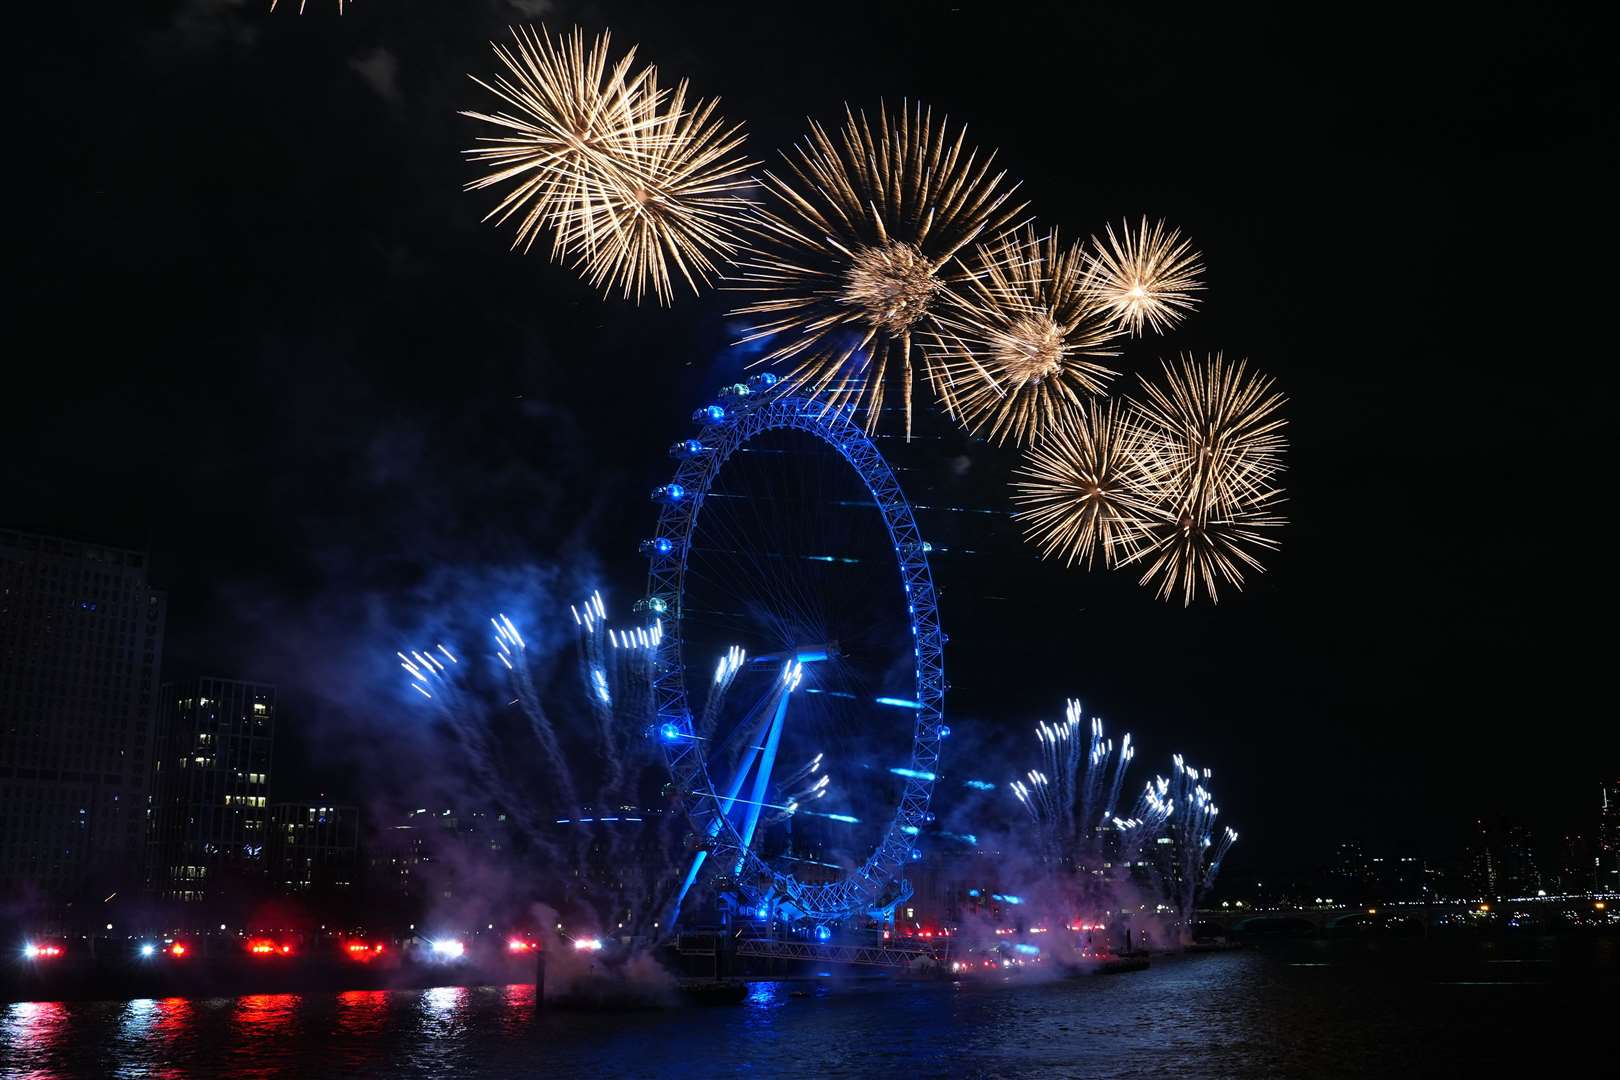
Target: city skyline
[[217, 736]]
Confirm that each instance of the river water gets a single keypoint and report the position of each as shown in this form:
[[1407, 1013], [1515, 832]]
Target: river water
[[1314, 1008]]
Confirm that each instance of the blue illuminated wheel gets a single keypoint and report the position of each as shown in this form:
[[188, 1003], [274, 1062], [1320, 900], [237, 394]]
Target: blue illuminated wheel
[[767, 541]]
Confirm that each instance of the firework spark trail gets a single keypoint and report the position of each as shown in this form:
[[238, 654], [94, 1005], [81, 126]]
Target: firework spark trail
[[1144, 277], [803, 785], [1071, 798], [616, 671], [1191, 826], [855, 251], [637, 186], [1146, 821], [1063, 754], [1127, 753], [435, 675], [1213, 454], [810, 771], [725, 673], [1096, 807], [512, 651], [1228, 838], [1020, 337]]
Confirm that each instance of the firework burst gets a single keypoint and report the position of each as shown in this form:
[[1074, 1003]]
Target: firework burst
[[1020, 337], [851, 258], [1145, 277], [637, 186], [1213, 451], [1081, 489]]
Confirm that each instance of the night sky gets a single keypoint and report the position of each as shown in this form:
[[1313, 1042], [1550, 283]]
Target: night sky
[[259, 329]]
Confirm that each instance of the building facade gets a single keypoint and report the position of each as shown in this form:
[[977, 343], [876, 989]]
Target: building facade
[[314, 848], [210, 778], [81, 643], [1520, 873], [1608, 857]]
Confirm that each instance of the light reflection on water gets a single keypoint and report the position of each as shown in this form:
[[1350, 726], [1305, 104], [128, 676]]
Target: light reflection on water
[[362, 1012], [1383, 1009]]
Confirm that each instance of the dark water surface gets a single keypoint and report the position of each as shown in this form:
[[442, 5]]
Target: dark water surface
[[1309, 1009]]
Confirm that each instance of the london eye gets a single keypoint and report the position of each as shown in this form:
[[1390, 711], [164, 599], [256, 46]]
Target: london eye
[[798, 686]]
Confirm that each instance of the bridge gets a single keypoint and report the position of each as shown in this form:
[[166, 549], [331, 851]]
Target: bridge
[[1328, 916], [905, 955]]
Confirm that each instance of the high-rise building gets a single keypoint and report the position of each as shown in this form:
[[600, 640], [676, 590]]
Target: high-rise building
[[1519, 874], [1572, 865], [314, 847], [1608, 868], [1481, 863], [210, 778], [81, 641], [1352, 870]]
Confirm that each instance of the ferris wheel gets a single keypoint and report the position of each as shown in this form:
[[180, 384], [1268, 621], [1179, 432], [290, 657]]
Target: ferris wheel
[[798, 686]]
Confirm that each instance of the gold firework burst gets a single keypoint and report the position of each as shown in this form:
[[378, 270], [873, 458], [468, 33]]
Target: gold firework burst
[[851, 259], [1213, 451], [636, 185], [1146, 277], [1080, 488], [1186, 549], [1219, 425], [1019, 338]]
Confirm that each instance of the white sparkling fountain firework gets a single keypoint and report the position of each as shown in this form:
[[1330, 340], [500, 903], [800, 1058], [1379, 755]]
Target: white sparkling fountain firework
[[1071, 798], [615, 668], [1094, 848], [1194, 858]]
